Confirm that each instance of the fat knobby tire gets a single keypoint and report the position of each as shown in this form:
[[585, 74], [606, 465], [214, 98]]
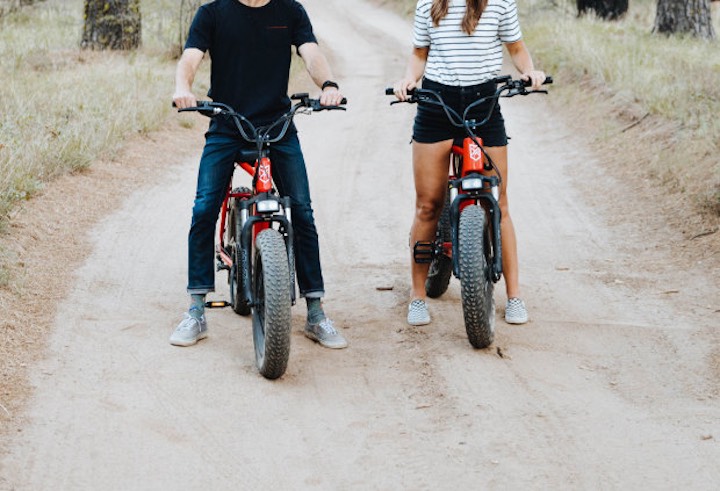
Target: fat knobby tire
[[271, 314], [440, 270], [476, 289]]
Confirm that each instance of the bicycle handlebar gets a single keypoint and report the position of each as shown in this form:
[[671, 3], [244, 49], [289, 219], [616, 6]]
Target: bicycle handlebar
[[261, 135], [497, 80], [512, 87]]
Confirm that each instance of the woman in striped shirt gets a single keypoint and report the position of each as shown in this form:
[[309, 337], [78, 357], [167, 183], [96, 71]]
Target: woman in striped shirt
[[457, 51]]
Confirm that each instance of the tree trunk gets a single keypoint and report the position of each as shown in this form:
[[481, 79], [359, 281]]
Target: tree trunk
[[112, 24], [684, 17], [605, 9]]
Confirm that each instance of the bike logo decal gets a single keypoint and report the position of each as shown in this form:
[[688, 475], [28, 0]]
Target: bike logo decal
[[475, 153], [264, 173]]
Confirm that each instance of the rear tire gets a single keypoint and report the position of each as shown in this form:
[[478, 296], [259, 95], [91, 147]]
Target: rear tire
[[476, 289], [440, 271], [271, 313]]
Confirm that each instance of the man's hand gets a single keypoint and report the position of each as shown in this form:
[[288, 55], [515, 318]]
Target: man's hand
[[184, 98], [330, 96]]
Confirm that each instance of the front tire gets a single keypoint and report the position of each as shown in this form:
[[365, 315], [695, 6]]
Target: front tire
[[271, 313], [476, 289]]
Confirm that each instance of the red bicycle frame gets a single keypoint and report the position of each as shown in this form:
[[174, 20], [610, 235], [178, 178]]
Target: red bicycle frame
[[263, 184]]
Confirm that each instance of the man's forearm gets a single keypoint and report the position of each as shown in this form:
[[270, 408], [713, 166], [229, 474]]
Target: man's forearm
[[316, 64], [185, 76]]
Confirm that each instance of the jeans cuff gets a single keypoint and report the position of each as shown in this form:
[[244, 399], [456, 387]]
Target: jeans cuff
[[200, 291], [313, 294]]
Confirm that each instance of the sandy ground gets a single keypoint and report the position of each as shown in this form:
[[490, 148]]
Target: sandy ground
[[613, 384]]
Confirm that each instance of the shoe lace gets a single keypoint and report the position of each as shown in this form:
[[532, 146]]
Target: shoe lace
[[188, 323], [327, 326]]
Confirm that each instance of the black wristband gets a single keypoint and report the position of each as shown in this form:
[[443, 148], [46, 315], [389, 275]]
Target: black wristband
[[329, 83]]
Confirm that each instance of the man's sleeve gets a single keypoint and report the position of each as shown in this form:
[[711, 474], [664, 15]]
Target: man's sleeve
[[302, 28], [201, 30]]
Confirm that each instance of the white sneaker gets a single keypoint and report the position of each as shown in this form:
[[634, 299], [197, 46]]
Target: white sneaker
[[418, 314], [325, 333], [189, 331], [515, 311]]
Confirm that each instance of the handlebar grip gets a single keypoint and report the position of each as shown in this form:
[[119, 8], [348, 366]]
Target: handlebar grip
[[548, 80], [391, 91], [198, 104], [315, 105]]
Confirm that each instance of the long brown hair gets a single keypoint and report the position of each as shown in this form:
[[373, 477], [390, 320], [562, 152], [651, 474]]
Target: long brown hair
[[473, 12]]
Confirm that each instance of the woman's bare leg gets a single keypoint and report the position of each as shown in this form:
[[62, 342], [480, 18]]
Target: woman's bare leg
[[430, 168]]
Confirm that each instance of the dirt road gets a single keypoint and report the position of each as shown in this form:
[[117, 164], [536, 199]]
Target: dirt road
[[613, 384]]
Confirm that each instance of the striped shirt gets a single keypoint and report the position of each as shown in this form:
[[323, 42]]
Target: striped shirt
[[456, 58]]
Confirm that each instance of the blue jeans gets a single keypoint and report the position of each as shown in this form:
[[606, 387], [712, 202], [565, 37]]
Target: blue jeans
[[290, 177]]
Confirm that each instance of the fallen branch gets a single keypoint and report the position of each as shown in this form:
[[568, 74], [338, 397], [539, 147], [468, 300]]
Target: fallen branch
[[632, 125], [704, 234]]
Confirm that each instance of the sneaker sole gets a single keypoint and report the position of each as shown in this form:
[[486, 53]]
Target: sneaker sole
[[517, 321], [419, 323], [185, 344]]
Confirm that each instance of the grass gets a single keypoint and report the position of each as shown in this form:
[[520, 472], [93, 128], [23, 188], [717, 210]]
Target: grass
[[670, 83], [62, 108]]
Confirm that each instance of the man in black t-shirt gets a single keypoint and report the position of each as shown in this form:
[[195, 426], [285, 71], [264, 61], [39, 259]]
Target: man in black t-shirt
[[249, 42]]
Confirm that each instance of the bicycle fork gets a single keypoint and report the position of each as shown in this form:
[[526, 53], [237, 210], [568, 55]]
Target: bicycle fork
[[247, 235], [468, 190]]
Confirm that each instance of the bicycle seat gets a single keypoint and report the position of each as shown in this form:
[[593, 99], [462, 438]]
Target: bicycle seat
[[249, 155]]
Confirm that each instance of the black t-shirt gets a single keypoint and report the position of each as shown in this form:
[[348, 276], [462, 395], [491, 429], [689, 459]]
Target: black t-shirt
[[250, 52]]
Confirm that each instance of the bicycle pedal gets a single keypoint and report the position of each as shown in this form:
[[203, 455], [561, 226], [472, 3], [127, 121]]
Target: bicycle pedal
[[221, 266], [218, 304], [424, 252]]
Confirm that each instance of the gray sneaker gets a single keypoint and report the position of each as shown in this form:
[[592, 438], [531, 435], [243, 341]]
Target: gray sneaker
[[324, 333], [189, 331]]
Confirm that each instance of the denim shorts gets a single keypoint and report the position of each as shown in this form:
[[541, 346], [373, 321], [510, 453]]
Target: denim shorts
[[432, 124]]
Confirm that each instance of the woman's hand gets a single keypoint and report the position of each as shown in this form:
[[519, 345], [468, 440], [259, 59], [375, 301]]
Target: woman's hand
[[401, 87], [536, 78]]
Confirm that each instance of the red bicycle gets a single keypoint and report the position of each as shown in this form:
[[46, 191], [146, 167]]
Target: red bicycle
[[467, 242], [255, 237]]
